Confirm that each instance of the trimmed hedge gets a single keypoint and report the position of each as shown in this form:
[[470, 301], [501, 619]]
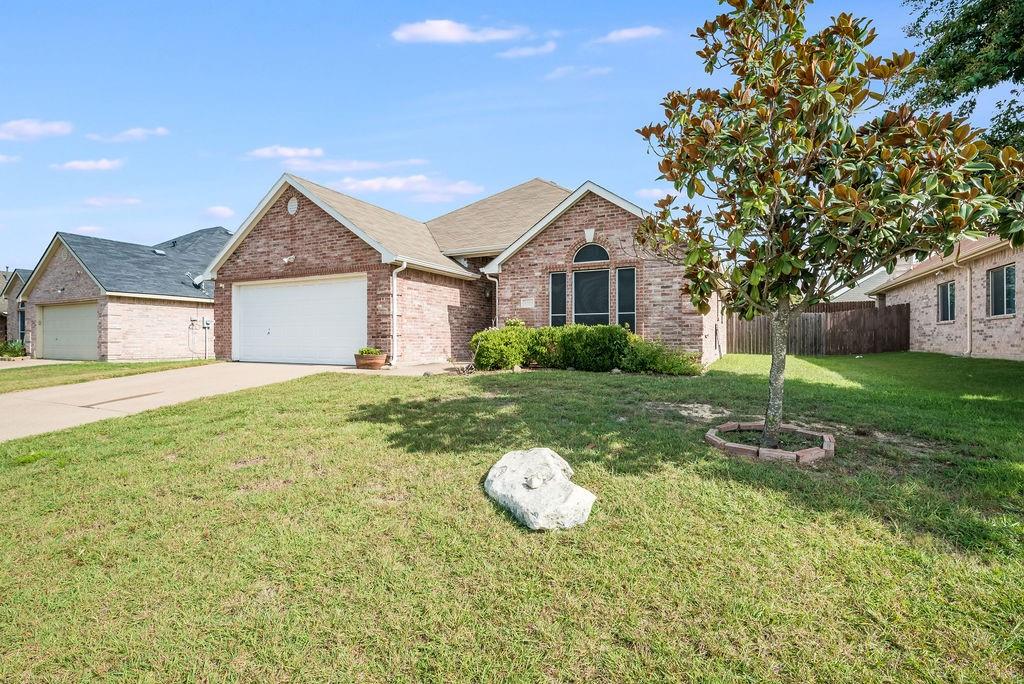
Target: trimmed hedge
[[598, 348]]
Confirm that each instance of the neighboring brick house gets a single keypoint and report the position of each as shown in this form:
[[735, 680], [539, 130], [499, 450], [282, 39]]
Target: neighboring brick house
[[964, 304], [90, 298], [13, 310], [313, 274]]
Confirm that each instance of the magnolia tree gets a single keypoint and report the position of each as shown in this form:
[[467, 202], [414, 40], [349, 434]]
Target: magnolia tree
[[803, 189]]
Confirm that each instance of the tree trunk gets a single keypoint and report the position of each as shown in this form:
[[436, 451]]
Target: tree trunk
[[777, 376]]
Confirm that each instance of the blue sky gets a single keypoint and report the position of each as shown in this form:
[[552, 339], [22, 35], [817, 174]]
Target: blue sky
[[141, 121]]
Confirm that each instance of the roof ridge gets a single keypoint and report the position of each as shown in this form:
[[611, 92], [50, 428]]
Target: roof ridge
[[493, 195]]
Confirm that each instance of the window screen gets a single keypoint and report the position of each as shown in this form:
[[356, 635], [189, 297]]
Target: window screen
[[625, 290], [947, 301], [590, 252], [590, 297], [557, 299], [1002, 291]]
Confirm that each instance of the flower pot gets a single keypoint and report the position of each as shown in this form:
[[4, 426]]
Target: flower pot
[[371, 361]]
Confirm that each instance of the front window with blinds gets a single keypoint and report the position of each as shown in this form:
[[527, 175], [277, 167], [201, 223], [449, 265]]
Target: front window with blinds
[[947, 301], [1002, 291]]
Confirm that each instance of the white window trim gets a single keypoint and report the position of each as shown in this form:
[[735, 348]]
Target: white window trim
[[551, 298], [988, 287], [938, 302], [618, 300], [608, 273]]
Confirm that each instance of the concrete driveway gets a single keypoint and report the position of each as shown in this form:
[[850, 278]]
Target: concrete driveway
[[33, 412], [54, 408]]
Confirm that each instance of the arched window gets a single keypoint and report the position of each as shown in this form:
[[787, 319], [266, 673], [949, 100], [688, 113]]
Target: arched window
[[591, 252]]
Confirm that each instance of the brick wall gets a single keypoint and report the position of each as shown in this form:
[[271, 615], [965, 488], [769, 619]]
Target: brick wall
[[62, 281], [663, 312], [993, 337], [437, 315], [321, 246], [139, 328]]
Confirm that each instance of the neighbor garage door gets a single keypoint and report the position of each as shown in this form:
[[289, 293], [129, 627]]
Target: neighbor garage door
[[69, 331], [301, 321]]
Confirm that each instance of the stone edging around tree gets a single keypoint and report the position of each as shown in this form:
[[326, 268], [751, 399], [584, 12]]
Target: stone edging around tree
[[808, 455]]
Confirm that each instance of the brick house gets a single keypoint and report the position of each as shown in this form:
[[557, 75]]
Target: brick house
[[91, 298], [13, 310], [964, 304], [313, 274]]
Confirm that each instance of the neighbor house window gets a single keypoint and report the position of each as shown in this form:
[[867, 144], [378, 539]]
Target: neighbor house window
[[1002, 291], [557, 299], [21, 321], [947, 301], [591, 252], [590, 297], [625, 297]]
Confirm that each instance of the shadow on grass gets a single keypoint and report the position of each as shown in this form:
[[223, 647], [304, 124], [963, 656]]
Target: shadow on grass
[[961, 492]]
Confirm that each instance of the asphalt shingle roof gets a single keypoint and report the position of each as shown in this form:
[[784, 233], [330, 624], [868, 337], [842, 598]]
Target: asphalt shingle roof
[[139, 269], [968, 248], [23, 273], [495, 222]]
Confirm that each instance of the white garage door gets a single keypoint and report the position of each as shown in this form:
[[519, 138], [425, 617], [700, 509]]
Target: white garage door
[[69, 331], [304, 321]]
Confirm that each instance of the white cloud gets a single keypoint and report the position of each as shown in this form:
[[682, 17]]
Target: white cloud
[[283, 152], [529, 50], [580, 72], [448, 31], [89, 165], [88, 229], [347, 165], [653, 193], [8, 159], [422, 188], [635, 33], [31, 129], [131, 135], [112, 201], [220, 212]]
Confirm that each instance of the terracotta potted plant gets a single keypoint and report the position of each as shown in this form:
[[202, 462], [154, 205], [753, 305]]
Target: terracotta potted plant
[[370, 358]]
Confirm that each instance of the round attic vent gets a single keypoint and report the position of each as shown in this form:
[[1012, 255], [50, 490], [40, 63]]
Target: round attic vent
[[293, 205]]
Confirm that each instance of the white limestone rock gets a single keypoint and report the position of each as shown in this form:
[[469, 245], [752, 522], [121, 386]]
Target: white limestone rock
[[535, 487]]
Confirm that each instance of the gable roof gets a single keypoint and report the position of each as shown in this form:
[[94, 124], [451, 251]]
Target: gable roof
[[22, 274], [965, 250], [589, 187], [490, 225], [398, 238], [129, 268]]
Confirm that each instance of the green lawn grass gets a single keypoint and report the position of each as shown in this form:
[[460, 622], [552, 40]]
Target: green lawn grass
[[34, 377], [334, 528]]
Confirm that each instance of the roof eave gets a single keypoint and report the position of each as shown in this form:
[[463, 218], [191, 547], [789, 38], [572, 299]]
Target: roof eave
[[900, 281]]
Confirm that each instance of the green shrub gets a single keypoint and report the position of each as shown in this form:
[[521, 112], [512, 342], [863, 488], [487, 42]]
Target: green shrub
[[593, 347], [546, 347], [369, 351], [643, 356], [12, 348], [597, 348], [501, 348]]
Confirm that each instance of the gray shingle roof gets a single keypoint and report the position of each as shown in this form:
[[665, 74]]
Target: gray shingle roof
[[495, 222], [23, 274], [138, 269]]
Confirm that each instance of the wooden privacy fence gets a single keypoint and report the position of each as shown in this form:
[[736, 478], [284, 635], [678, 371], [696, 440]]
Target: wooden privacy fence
[[826, 329]]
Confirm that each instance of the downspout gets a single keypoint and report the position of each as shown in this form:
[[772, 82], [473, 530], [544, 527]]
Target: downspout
[[970, 300], [495, 281], [394, 311]]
